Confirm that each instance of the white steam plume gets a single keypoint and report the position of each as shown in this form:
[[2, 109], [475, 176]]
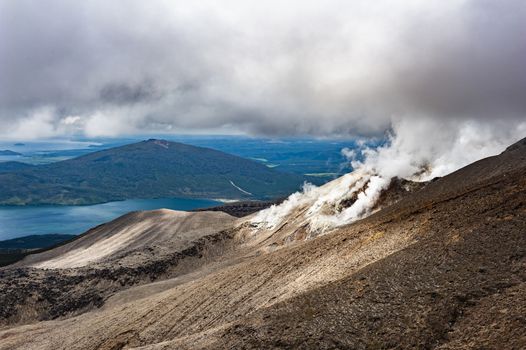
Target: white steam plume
[[416, 149]]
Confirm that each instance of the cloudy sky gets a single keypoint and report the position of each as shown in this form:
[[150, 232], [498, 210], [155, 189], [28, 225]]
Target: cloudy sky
[[322, 68]]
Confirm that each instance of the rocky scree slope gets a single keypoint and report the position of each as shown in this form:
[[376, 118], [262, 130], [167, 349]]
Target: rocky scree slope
[[442, 268]]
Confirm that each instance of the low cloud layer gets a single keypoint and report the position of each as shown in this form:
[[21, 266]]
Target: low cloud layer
[[331, 68]]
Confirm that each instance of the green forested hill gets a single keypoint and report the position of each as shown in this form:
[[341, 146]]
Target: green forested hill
[[12, 166], [148, 169]]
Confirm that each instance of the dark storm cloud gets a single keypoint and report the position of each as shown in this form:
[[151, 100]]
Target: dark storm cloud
[[298, 67], [474, 70], [123, 93]]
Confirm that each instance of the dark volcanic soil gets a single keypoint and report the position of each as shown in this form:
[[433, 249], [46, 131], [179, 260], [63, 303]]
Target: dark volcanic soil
[[462, 285], [31, 294], [243, 208], [442, 268]]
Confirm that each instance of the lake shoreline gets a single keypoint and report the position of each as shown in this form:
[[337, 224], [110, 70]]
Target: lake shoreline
[[19, 221]]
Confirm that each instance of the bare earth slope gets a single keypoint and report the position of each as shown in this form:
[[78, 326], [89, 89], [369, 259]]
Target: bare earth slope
[[443, 268], [137, 248], [163, 230]]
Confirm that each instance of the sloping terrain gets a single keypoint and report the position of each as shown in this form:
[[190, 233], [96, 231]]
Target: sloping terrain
[[243, 208], [162, 231], [13, 166], [7, 152], [13, 250], [137, 248], [442, 268], [148, 169], [34, 241]]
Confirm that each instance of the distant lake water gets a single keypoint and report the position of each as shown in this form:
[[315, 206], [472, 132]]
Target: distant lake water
[[36, 220]]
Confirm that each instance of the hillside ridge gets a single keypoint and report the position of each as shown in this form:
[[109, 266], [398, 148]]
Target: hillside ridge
[[148, 169], [440, 268]]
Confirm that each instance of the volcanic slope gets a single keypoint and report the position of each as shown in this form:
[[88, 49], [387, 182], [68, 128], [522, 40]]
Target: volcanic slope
[[442, 268]]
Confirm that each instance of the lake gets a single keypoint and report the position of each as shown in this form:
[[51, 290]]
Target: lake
[[35, 220]]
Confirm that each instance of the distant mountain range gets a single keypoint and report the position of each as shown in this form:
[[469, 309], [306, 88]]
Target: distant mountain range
[[15, 249], [34, 241], [148, 169], [9, 153], [12, 166]]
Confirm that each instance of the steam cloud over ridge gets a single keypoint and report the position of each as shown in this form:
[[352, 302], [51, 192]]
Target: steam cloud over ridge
[[416, 150]]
